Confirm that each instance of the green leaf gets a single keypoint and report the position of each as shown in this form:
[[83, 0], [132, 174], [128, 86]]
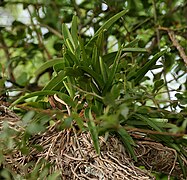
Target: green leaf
[[74, 31], [68, 86], [62, 96], [1, 68], [73, 71], [35, 128], [132, 43], [69, 44], [100, 42], [95, 59], [104, 70], [58, 67], [84, 59], [28, 117], [55, 81], [127, 141], [112, 73], [93, 75], [39, 104], [68, 38], [141, 72], [181, 163], [66, 124], [124, 110], [2, 85], [93, 129], [94, 88], [110, 22], [71, 58], [158, 85], [109, 58], [107, 25], [149, 122], [47, 65], [78, 119], [22, 79], [54, 176], [134, 49]]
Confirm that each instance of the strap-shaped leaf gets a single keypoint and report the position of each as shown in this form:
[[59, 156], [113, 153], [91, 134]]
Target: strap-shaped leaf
[[69, 87], [104, 70], [142, 71], [100, 42], [55, 81], [95, 59], [149, 122], [112, 72], [84, 59], [134, 49], [68, 38], [107, 25], [109, 58], [72, 59], [127, 141], [93, 75], [63, 96], [132, 43], [93, 129], [48, 64], [74, 32]]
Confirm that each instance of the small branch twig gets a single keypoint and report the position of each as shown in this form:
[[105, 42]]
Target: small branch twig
[[39, 37], [146, 131], [175, 43]]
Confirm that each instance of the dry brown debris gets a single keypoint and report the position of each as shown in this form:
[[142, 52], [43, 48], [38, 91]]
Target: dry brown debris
[[73, 155]]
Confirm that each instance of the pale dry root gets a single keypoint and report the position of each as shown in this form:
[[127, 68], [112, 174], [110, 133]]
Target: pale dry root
[[74, 156]]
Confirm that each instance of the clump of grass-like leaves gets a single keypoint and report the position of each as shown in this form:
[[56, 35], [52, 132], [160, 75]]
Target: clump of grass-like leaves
[[104, 90]]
